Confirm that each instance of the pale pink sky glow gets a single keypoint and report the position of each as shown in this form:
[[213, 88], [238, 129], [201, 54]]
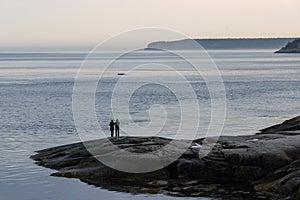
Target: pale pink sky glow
[[78, 22]]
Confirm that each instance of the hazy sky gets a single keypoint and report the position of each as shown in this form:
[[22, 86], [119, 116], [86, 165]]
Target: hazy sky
[[77, 22]]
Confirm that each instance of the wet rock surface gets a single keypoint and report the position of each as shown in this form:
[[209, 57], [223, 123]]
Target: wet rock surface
[[261, 166]]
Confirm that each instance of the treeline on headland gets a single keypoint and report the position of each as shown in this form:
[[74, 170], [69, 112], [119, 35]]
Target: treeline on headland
[[211, 44], [291, 47]]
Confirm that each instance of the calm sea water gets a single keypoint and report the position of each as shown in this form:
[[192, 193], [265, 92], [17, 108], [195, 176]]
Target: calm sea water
[[262, 89]]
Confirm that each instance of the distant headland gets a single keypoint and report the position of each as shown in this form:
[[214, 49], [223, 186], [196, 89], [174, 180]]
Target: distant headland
[[215, 44], [291, 47]]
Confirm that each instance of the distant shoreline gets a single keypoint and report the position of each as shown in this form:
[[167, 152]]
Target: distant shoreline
[[220, 43]]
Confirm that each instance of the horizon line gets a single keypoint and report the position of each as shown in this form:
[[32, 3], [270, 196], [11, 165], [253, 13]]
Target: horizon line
[[92, 44]]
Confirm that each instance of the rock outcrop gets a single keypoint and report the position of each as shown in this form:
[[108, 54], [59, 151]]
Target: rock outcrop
[[291, 47], [261, 166]]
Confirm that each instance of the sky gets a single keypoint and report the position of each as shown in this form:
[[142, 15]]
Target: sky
[[88, 22]]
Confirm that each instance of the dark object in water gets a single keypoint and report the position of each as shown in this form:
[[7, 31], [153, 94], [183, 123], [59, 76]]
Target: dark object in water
[[152, 49], [121, 74]]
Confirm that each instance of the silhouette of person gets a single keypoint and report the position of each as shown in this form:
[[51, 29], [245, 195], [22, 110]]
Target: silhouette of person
[[117, 126], [111, 125]]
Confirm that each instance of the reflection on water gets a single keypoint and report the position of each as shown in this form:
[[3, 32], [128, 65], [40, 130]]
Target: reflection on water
[[21, 179]]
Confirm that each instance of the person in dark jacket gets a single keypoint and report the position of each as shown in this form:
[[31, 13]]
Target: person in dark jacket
[[117, 126], [111, 125]]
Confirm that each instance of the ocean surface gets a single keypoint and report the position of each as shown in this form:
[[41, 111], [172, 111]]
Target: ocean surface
[[262, 89]]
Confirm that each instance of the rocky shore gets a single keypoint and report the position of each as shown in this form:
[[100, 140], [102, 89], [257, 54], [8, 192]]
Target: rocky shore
[[261, 166]]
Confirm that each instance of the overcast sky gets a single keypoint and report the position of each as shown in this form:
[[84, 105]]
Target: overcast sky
[[79, 22]]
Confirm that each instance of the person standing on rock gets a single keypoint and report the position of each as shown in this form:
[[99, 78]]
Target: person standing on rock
[[111, 125], [117, 126]]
